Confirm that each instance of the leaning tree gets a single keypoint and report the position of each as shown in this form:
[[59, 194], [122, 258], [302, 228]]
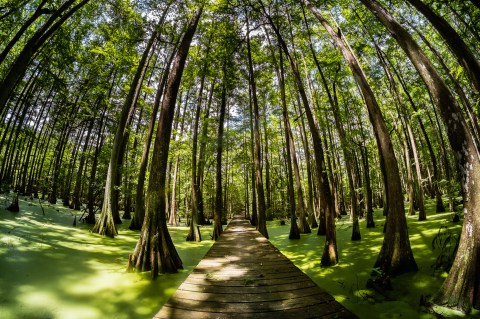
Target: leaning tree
[[155, 250]]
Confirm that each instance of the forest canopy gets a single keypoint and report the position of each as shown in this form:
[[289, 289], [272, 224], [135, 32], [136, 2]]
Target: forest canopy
[[162, 112]]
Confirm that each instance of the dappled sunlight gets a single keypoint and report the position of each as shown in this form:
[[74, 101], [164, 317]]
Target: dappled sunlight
[[347, 280], [51, 269]]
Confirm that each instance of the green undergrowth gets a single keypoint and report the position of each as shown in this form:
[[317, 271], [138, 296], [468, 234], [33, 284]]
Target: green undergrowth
[[50, 269], [347, 280]]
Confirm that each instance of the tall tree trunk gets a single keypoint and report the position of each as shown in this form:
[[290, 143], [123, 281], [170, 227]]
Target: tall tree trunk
[[464, 55], [414, 181], [436, 174], [201, 157], [294, 231], [218, 212], [460, 289], [139, 215], [21, 63], [18, 120], [83, 157], [347, 153], [368, 187], [194, 232], [68, 176], [262, 223], [60, 149], [395, 255], [36, 14], [173, 218], [422, 215], [254, 220], [268, 187], [409, 178], [473, 120], [308, 158], [110, 215], [330, 254], [28, 160], [155, 250], [91, 219]]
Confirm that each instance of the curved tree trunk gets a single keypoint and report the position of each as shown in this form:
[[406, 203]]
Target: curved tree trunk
[[261, 213], [461, 289], [21, 63], [294, 231], [396, 255], [155, 250], [436, 174], [330, 254], [36, 14], [139, 215], [110, 211], [456, 44]]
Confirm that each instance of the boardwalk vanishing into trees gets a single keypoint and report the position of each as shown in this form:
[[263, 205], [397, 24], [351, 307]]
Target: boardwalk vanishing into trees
[[329, 114], [243, 276]]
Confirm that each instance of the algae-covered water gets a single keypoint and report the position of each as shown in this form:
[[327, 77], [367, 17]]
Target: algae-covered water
[[50, 269], [347, 280]]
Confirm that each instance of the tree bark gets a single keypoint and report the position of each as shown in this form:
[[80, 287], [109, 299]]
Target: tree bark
[[21, 63], [262, 223], [110, 213], [139, 215], [194, 232], [330, 254], [36, 14], [201, 157], [396, 256], [294, 231], [464, 55], [155, 250], [461, 289], [218, 212]]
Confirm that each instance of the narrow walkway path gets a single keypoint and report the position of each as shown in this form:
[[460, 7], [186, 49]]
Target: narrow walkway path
[[244, 276]]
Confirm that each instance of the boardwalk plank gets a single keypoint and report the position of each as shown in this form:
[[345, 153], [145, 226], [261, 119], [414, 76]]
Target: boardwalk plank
[[275, 296], [241, 307], [245, 276]]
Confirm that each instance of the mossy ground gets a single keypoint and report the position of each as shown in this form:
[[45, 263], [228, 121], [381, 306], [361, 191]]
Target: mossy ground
[[50, 269], [347, 280]]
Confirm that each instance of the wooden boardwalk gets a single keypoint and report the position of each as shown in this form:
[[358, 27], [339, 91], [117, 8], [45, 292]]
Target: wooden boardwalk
[[244, 276]]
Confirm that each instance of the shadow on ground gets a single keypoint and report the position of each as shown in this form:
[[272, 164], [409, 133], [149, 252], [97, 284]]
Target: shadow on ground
[[50, 269]]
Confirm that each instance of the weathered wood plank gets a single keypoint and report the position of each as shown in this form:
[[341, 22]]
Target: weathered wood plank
[[239, 307], [244, 276], [331, 311], [274, 296], [246, 281], [247, 289]]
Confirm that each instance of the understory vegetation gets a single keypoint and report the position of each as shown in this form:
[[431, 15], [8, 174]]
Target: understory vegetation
[[140, 116]]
